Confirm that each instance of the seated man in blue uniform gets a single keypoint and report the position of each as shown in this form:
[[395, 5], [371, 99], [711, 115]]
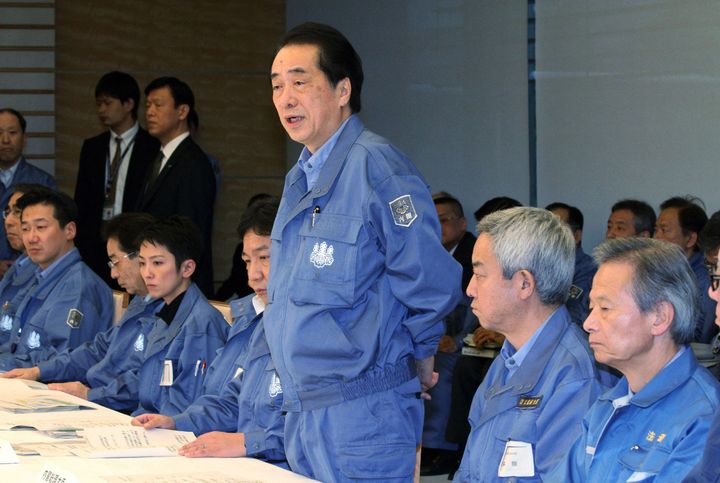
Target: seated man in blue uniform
[[361, 282], [578, 301], [707, 470], [187, 330], [653, 424], [66, 303], [105, 370], [22, 272], [14, 170], [245, 419], [528, 409], [681, 221]]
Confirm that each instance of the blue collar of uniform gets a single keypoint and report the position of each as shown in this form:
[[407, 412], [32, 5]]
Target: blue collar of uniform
[[7, 175], [512, 358], [527, 376], [680, 368], [22, 260], [243, 313], [697, 262], [257, 346], [312, 163], [45, 274]]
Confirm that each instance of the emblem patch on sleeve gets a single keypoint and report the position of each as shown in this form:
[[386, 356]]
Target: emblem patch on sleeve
[[74, 318], [403, 211]]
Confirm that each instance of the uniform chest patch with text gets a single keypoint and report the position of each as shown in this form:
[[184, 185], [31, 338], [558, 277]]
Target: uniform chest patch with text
[[529, 402]]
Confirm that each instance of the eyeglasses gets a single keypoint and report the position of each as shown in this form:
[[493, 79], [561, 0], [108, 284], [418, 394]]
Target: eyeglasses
[[113, 263], [14, 210], [714, 277], [715, 281]]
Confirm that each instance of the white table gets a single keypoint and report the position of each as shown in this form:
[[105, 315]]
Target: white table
[[97, 470]]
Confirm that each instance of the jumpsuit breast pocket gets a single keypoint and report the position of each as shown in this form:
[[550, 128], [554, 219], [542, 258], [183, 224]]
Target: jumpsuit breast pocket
[[642, 463], [326, 268]]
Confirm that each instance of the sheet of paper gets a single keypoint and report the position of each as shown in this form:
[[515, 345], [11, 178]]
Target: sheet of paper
[[79, 448], [39, 404], [7, 453], [132, 441], [178, 478]]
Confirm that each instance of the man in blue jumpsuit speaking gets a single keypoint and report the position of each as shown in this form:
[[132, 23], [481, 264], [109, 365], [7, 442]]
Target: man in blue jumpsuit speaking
[[360, 280]]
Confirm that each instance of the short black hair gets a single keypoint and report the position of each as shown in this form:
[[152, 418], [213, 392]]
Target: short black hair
[[20, 118], [181, 94], [643, 214], [495, 204], [576, 220], [259, 217], [337, 58], [121, 86], [709, 239], [126, 228], [178, 234], [64, 207], [27, 188], [445, 198], [691, 215]]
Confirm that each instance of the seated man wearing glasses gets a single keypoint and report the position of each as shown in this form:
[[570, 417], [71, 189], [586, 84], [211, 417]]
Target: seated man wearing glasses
[[105, 370], [21, 273]]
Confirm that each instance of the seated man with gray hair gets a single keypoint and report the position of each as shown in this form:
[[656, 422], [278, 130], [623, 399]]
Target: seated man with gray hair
[[528, 411], [653, 424]]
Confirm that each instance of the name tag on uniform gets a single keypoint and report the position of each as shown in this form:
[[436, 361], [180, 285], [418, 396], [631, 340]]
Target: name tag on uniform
[[517, 460], [167, 375], [529, 402]]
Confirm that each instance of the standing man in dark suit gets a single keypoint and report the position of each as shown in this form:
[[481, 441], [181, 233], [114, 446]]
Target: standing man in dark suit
[[180, 180], [438, 454], [14, 170], [112, 166]]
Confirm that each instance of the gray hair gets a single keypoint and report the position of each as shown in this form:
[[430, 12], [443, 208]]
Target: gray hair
[[661, 274], [535, 240]]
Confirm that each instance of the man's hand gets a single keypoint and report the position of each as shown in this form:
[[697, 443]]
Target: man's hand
[[216, 444], [482, 336], [150, 421], [447, 344], [428, 377], [30, 373], [5, 266], [75, 388]]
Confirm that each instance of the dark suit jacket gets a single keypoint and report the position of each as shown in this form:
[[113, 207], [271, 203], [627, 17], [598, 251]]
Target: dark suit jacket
[[456, 320], [90, 192], [463, 255], [186, 186]]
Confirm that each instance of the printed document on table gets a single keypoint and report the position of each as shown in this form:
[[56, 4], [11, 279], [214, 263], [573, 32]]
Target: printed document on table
[[132, 441]]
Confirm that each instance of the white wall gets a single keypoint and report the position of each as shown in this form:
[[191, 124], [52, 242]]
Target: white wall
[[628, 103], [446, 81]]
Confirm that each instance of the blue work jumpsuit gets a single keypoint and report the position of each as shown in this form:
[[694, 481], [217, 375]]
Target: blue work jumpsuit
[[360, 285]]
